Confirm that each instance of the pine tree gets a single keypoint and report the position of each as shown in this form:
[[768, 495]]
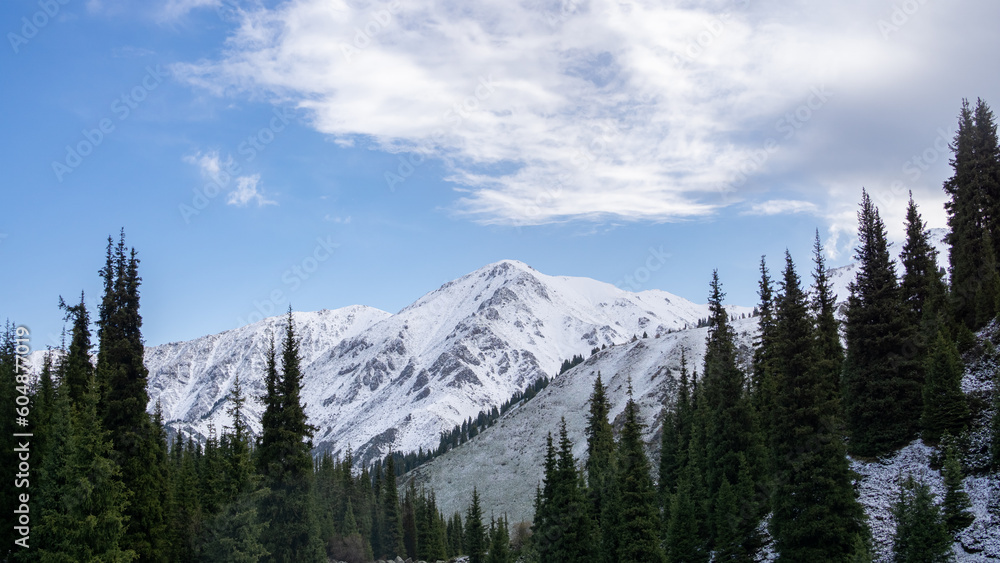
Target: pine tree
[[956, 501], [408, 514], [922, 289], [600, 458], [764, 349], [685, 536], [77, 371], [965, 221], [499, 543], [639, 529], [829, 351], [286, 461], [732, 435], [987, 179], [881, 383], [815, 514], [475, 533], [392, 531], [945, 407], [121, 378], [921, 536]]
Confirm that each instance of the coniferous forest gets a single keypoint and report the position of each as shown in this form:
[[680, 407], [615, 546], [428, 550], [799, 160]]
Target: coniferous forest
[[753, 462]]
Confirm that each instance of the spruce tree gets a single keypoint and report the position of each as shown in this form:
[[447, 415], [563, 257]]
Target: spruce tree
[[392, 530], [600, 460], [815, 514], [956, 503], [987, 179], [732, 434], [286, 461], [121, 378], [945, 407], [764, 348], [76, 368], [922, 289], [499, 543], [881, 382], [82, 498], [639, 529], [475, 533], [921, 536], [829, 351]]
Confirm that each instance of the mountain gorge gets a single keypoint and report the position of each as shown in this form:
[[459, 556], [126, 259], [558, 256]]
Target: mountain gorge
[[376, 382]]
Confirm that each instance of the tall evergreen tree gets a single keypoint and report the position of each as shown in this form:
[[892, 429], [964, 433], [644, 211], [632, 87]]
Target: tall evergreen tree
[[921, 536], [732, 435], [945, 407], [475, 533], [286, 462], [77, 371], [956, 503], [639, 529], [881, 383], [815, 514], [764, 349], [83, 499], [392, 531], [922, 289], [499, 543], [974, 216], [600, 466], [121, 378]]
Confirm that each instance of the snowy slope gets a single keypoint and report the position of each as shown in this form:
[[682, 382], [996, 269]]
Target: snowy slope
[[505, 461], [375, 382]]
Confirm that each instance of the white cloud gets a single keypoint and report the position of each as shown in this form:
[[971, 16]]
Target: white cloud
[[222, 172], [246, 192], [336, 219], [781, 207], [545, 112]]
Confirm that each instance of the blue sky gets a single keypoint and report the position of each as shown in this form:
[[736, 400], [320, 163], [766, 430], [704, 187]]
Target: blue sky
[[330, 153]]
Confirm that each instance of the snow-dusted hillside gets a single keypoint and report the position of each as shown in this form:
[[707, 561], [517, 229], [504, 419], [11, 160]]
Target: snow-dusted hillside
[[375, 381], [505, 461], [841, 277]]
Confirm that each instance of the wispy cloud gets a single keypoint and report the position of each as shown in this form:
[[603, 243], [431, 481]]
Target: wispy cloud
[[782, 207], [637, 110], [246, 193], [215, 168]]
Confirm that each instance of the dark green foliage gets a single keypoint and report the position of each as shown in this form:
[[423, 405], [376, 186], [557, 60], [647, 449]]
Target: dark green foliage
[[922, 289], [920, 536], [392, 522], [974, 216], [563, 519], [956, 503], [285, 461], [600, 461], [76, 369], [732, 431], [81, 499], [764, 349], [233, 535], [639, 528], [499, 543], [685, 530], [121, 378], [815, 514], [945, 407], [475, 532], [881, 382]]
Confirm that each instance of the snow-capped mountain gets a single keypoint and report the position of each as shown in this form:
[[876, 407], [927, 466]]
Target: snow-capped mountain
[[377, 382]]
